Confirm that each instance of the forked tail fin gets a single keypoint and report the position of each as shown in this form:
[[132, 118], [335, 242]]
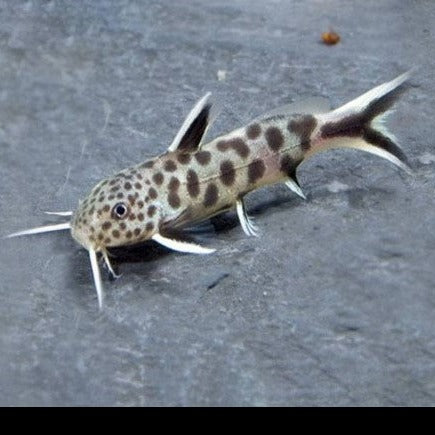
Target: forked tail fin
[[360, 124]]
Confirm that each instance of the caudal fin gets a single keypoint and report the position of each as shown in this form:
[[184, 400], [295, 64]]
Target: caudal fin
[[360, 124]]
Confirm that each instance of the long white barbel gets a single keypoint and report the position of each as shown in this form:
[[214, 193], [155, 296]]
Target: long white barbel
[[43, 229]]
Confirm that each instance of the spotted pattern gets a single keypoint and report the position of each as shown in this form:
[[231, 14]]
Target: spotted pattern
[[227, 173], [256, 170], [236, 144], [151, 210], [253, 131], [147, 165], [184, 158], [152, 193], [170, 166], [158, 178], [173, 197], [303, 127], [274, 138], [203, 157], [287, 165], [211, 195], [192, 183], [208, 177]]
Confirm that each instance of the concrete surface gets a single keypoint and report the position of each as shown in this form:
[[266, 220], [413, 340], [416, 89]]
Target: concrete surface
[[333, 305]]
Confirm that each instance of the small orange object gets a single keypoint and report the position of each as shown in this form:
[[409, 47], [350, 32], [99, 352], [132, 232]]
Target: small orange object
[[330, 38]]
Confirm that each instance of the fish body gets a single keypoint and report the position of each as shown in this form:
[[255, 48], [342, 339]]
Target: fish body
[[193, 181]]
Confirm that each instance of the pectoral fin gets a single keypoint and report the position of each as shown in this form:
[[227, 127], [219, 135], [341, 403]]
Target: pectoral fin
[[180, 246]]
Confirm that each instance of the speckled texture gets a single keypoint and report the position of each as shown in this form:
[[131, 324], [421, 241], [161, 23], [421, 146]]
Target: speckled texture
[[333, 305]]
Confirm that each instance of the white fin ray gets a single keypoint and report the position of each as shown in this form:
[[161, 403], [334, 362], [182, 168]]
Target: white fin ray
[[97, 277], [246, 222], [180, 246], [361, 102], [360, 144], [294, 187], [59, 213], [43, 229], [199, 106]]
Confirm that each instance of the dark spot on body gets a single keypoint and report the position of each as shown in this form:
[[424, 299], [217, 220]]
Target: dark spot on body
[[132, 217], [106, 225], [236, 144], [253, 131], [174, 200], [128, 234], [303, 127], [116, 234], [184, 158], [115, 188], [107, 240], [140, 204], [274, 138], [151, 210], [120, 195], [203, 157], [211, 195], [174, 184], [152, 193], [158, 178], [140, 216], [123, 225], [228, 173], [113, 181], [131, 199], [139, 176], [192, 183], [127, 185], [287, 165], [222, 145], [138, 186], [110, 197], [136, 231], [100, 236], [170, 166], [149, 226], [148, 164], [256, 170], [106, 208]]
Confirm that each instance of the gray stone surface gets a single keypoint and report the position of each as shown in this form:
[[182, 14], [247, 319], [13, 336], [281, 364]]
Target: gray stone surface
[[333, 305]]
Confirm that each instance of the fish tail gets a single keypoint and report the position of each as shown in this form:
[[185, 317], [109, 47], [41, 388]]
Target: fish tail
[[360, 124]]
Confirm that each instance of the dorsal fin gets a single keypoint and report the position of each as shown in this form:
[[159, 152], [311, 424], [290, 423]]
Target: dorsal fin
[[194, 127]]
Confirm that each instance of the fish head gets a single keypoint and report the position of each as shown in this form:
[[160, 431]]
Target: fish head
[[121, 210]]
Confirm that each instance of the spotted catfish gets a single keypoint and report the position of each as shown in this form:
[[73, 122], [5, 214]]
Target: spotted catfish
[[193, 181]]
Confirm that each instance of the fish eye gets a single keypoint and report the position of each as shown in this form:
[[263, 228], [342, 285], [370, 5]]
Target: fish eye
[[120, 211]]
